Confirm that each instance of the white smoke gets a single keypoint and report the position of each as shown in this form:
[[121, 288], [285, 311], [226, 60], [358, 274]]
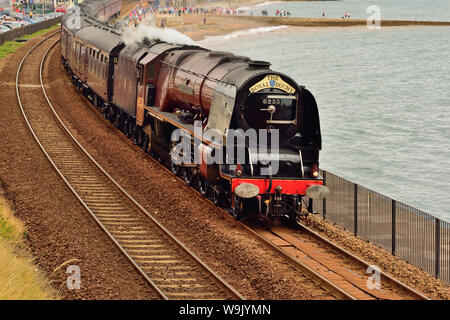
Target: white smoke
[[149, 33]]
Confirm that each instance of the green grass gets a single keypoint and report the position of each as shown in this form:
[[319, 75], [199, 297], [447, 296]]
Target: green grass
[[6, 230], [20, 278], [11, 46]]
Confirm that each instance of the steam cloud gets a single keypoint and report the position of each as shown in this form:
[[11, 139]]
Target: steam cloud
[[143, 33]]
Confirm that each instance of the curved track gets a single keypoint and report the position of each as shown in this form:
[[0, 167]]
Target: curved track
[[334, 268], [340, 273], [168, 266]]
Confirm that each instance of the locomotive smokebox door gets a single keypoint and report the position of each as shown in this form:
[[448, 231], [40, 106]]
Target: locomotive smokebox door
[[222, 107]]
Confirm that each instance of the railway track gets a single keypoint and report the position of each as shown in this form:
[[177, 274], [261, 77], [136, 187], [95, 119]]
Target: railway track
[[169, 267], [347, 271], [340, 273], [318, 286], [334, 268]]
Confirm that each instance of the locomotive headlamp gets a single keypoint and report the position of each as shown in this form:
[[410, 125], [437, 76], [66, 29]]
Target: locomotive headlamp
[[315, 171], [238, 170]]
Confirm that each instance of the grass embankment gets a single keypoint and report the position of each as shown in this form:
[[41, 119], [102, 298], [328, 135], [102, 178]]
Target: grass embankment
[[20, 279], [11, 46]]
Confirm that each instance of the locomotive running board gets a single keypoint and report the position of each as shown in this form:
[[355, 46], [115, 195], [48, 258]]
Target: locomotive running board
[[173, 119]]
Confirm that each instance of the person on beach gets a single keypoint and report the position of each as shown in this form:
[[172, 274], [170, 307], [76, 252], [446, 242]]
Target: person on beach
[[323, 14], [204, 20]]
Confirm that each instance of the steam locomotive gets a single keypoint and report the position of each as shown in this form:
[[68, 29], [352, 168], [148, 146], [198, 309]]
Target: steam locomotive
[[152, 89]]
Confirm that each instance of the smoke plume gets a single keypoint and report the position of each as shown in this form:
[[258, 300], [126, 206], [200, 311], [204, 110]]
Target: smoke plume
[[145, 33]]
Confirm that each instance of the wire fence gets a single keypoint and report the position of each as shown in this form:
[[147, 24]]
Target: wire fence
[[28, 29], [408, 233]]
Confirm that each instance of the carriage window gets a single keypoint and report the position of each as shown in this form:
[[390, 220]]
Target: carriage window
[[151, 71], [138, 74]]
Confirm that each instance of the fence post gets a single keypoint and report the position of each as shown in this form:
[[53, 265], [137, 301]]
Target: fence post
[[355, 209], [394, 211], [438, 247], [324, 204]]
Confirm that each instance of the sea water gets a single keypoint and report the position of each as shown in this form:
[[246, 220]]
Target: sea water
[[428, 10], [383, 97]]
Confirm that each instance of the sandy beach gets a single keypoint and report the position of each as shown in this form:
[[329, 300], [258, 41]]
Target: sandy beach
[[194, 26]]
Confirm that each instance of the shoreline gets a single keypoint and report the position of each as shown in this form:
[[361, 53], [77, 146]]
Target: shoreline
[[338, 22], [194, 26]]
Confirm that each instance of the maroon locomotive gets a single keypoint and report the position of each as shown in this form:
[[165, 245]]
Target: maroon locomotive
[[149, 90]]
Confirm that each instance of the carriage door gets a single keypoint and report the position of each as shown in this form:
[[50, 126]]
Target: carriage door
[[85, 55], [146, 89]]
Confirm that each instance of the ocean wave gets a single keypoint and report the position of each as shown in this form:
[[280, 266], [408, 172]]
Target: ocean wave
[[240, 33]]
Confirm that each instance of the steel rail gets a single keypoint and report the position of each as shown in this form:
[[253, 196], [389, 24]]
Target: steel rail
[[291, 259], [362, 262], [208, 271], [328, 285]]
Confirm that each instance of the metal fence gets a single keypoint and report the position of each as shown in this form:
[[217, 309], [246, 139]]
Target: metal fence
[[28, 29], [408, 233]]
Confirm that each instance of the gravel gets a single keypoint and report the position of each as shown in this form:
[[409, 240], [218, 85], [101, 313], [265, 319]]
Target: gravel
[[59, 230]]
